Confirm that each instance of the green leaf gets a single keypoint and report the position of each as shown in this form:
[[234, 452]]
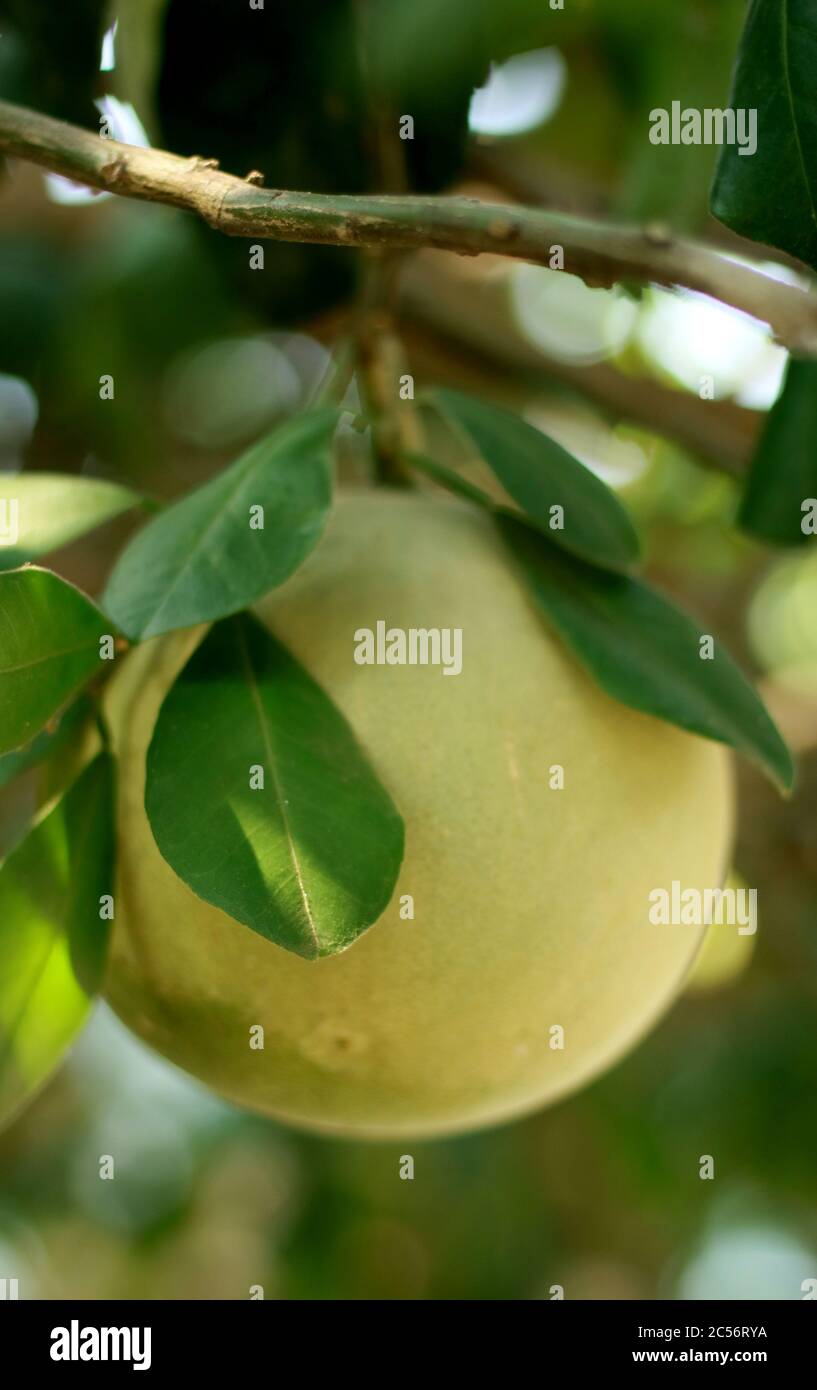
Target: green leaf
[[783, 472], [201, 558], [645, 652], [539, 475], [310, 859], [52, 937], [47, 743], [49, 648], [771, 195], [52, 509]]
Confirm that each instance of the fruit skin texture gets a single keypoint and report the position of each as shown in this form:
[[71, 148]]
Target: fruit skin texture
[[530, 904]]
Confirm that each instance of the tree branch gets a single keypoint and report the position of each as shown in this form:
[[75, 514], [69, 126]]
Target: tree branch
[[600, 253], [476, 319]]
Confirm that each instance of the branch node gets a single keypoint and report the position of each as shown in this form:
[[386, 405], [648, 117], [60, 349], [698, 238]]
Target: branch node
[[114, 172], [658, 234], [503, 229]]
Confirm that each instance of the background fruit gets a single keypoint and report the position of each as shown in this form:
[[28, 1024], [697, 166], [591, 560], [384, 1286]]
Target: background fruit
[[530, 904], [726, 951]]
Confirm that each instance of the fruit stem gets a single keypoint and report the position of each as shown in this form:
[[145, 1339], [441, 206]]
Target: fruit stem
[[385, 385]]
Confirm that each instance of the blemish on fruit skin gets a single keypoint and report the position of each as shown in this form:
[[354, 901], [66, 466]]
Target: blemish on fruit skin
[[334, 1045]]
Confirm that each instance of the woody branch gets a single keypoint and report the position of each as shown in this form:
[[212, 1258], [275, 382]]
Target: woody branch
[[599, 252]]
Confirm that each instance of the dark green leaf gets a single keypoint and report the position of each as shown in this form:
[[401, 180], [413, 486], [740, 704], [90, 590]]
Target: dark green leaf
[[783, 473], [645, 652], [47, 743], [540, 475], [770, 195], [51, 509], [52, 937], [49, 647], [201, 558], [310, 859]]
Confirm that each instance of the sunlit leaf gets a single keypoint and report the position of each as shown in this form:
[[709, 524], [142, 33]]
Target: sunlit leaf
[[310, 858], [50, 510], [53, 932]]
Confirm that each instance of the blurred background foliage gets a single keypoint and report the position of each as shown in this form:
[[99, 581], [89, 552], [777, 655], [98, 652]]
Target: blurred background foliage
[[511, 100]]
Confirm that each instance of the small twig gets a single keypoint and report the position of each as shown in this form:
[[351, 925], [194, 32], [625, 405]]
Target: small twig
[[381, 365], [601, 253]]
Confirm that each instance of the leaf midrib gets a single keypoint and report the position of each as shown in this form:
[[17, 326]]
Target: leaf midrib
[[50, 656], [255, 695]]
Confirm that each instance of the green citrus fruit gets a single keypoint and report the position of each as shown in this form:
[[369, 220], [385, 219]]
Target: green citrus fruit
[[529, 964]]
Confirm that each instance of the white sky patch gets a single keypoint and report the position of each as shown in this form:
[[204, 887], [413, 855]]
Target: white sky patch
[[520, 94], [107, 60], [71, 194], [123, 121], [785, 274], [568, 319], [692, 336], [125, 126]]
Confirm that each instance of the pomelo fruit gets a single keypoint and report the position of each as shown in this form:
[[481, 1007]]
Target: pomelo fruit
[[530, 926]]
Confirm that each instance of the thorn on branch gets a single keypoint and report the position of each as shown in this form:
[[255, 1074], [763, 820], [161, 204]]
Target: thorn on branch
[[503, 229], [198, 163]]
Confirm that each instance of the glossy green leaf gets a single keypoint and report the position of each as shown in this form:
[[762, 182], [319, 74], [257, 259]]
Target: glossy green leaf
[[540, 476], [645, 652], [47, 743], [206, 556], [783, 472], [40, 512], [53, 937], [309, 859], [771, 195], [49, 648]]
